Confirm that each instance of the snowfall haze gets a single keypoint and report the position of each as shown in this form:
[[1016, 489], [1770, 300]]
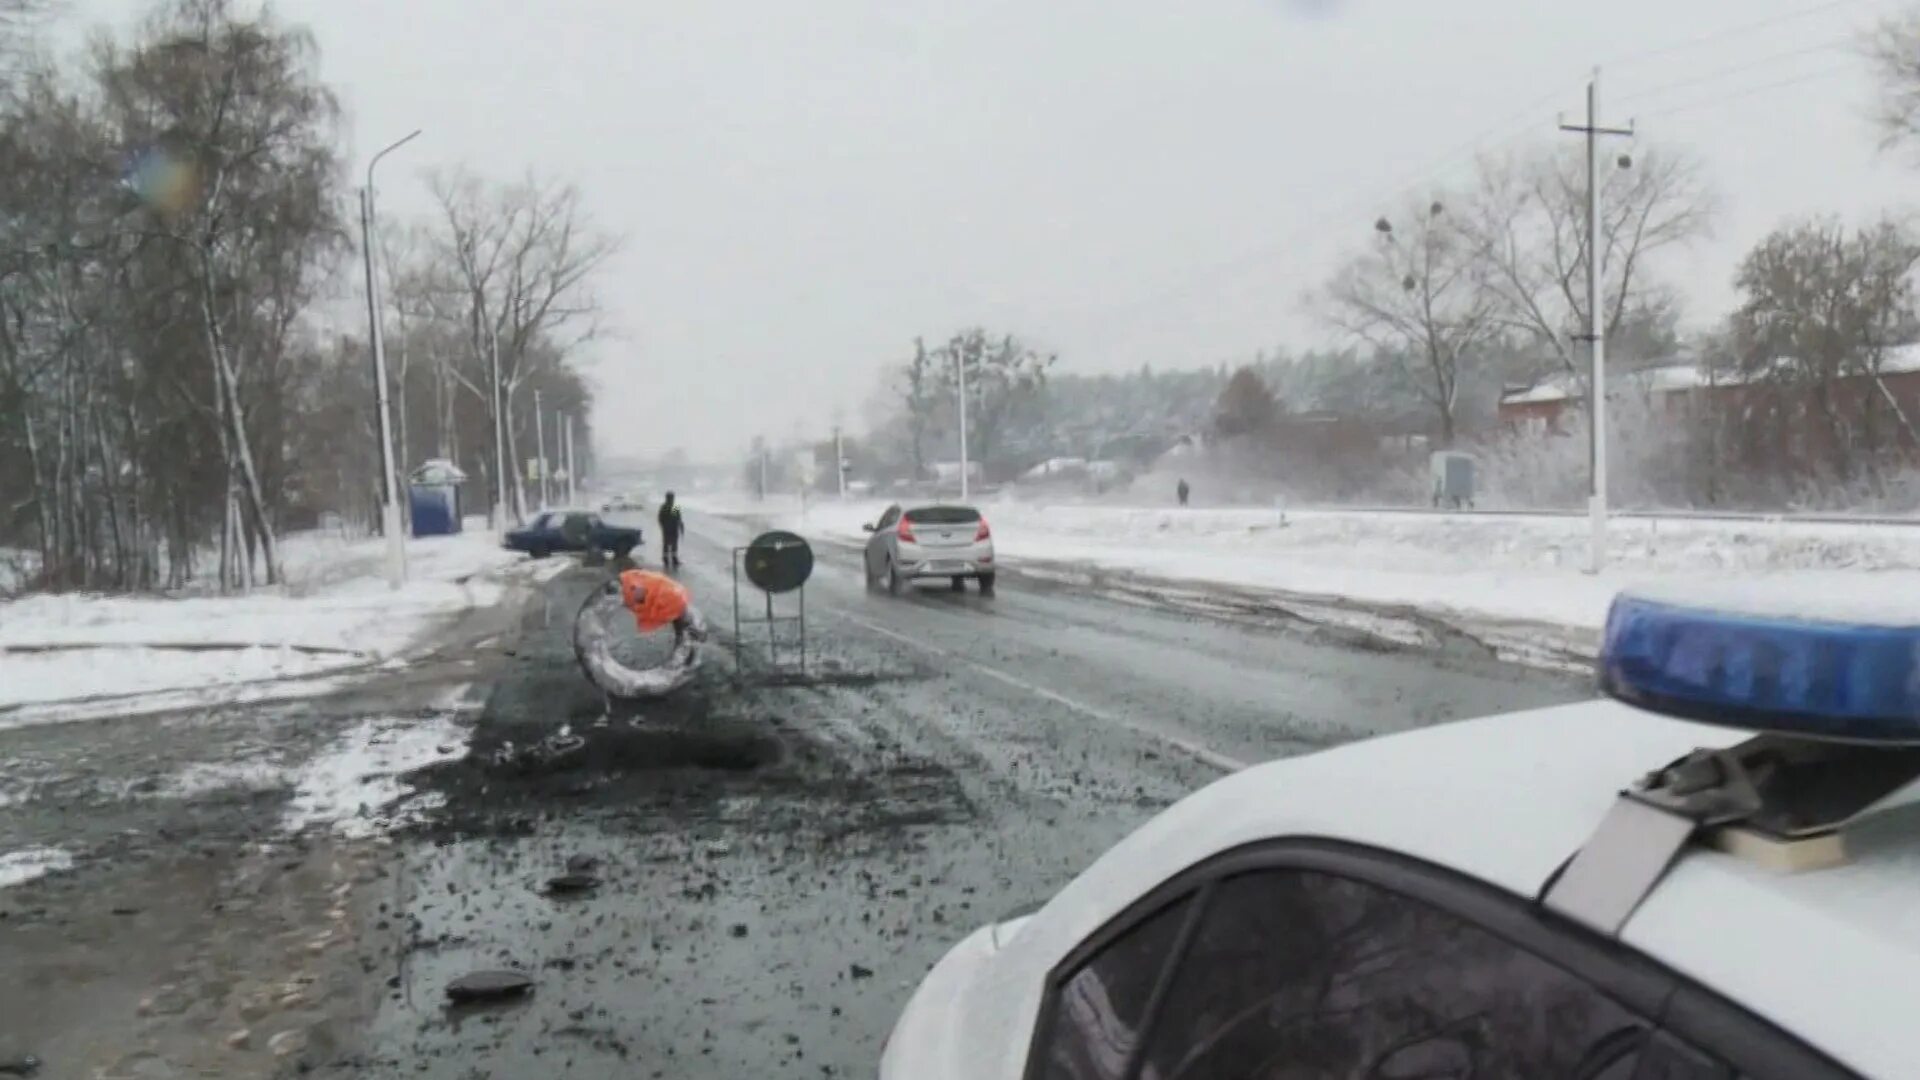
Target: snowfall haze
[[804, 188]]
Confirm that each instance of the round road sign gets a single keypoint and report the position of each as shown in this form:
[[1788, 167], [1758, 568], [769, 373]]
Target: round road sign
[[779, 561]]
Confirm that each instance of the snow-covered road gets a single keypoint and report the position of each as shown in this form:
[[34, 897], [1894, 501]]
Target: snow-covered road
[[1470, 567]]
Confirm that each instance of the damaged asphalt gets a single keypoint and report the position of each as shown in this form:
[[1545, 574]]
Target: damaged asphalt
[[753, 873]]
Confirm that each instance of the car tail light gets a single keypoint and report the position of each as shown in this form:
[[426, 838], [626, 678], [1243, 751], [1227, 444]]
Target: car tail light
[[906, 531], [983, 533]]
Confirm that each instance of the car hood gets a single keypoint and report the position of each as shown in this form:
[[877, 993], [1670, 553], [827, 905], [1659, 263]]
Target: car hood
[[931, 1040]]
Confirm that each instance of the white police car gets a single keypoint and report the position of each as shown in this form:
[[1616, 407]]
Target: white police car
[[1601, 891]]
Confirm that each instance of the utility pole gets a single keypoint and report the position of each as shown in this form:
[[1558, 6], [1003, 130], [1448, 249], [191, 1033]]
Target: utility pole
[[960, 366], [839, 462], [540, 449], [1596, 326], [572, 487], [499, 434]]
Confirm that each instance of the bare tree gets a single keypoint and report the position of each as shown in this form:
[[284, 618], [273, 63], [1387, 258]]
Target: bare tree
[[523, 256], [1821, 308], [1246, 406], [1420, 296], [1528, 225], [919, 392], [19, 19], [1004, 380], [1892, 48]]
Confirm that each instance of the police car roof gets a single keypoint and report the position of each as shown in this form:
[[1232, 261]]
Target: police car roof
[[1823, 954]]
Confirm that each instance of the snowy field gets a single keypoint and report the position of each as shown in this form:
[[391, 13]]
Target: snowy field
[[73, 656], [1476, 568]]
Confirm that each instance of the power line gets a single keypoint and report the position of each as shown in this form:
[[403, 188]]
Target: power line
[[1524, 120], [1727, 32], [1734, 69], [1812, 76]]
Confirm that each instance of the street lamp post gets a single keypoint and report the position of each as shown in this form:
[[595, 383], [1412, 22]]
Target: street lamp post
[[960, 367], [540, 452], [389, 477]]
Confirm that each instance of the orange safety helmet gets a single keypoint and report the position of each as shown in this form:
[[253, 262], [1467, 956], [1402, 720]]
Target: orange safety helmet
[[655, 599]]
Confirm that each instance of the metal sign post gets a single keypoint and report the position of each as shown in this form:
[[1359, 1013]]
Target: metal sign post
[[775, 562]]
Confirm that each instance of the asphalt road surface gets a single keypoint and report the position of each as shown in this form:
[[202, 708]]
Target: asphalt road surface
[[776, 856]]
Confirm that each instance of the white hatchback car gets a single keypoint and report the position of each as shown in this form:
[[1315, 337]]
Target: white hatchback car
[[1602, 891], [951, 542]]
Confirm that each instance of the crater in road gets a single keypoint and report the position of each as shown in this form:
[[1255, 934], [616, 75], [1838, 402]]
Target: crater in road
[[780, 744]]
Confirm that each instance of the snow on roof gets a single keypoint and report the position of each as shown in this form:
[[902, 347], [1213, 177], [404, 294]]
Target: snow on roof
[[439, 471], [1550, 389], [1674, 378], [1900, 359], [1054, 465], [1506, 799]]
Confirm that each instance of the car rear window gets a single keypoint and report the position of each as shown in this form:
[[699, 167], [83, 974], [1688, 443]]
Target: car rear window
[[943, 515]]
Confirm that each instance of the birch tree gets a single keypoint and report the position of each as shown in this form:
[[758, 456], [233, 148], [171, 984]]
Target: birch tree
[[1420, 296], [236, 170]]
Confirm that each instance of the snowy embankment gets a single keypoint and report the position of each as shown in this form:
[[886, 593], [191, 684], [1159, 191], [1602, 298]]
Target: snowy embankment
[[1514, 576], [74, 656]]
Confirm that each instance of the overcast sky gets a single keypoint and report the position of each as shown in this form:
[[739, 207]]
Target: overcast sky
[[805, 185]]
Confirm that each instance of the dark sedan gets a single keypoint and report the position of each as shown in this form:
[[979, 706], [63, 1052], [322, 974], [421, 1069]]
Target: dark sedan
[[572, 530]]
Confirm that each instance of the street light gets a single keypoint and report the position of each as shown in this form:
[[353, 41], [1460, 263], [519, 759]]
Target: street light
[[389, 479]]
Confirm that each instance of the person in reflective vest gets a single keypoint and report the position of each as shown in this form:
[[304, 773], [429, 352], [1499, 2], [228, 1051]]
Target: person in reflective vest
[[657, 600], [671, 526]]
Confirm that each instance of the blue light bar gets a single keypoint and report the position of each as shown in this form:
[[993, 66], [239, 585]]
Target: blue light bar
[[1818, 678]]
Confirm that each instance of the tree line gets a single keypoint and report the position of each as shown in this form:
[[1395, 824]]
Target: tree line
[[177, 241]]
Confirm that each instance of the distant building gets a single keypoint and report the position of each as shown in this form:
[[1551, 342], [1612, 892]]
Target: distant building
[[1789, 414]]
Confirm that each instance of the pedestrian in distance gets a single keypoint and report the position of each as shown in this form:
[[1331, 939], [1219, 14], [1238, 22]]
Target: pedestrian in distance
[[671, 526], [1183, 491]]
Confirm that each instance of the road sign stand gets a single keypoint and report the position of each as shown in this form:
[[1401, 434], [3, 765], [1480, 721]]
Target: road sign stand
[[775, 562]]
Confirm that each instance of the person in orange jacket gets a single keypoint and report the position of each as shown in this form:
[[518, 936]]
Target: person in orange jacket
[[657, 600]]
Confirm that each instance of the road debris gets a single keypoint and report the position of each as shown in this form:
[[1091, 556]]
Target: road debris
[[571, 884], [498, 985]]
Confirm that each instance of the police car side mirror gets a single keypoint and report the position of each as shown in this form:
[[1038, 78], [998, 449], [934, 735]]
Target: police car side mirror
[[868, 527]]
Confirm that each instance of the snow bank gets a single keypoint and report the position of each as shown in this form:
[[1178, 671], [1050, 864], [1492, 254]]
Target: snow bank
[[334, 614], [55, 676], [1478, 567]]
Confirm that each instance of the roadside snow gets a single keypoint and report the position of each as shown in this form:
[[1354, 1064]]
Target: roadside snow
[[20, 867], [205, 777], [1473, 568], [353, 784], [334, 614], [53, 676]]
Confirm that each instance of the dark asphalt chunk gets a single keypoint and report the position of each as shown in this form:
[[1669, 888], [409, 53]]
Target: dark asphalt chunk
[[480, 986], [571, 884]]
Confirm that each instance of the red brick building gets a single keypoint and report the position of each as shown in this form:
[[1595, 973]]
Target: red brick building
[[1799, 415]]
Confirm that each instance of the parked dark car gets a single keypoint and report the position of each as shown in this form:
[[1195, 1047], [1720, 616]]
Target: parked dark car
[[572, 530]]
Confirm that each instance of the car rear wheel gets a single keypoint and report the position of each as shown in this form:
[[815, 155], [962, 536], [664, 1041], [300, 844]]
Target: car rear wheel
[[538, 552], [621, 551], [986, 584], [894, 584]]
